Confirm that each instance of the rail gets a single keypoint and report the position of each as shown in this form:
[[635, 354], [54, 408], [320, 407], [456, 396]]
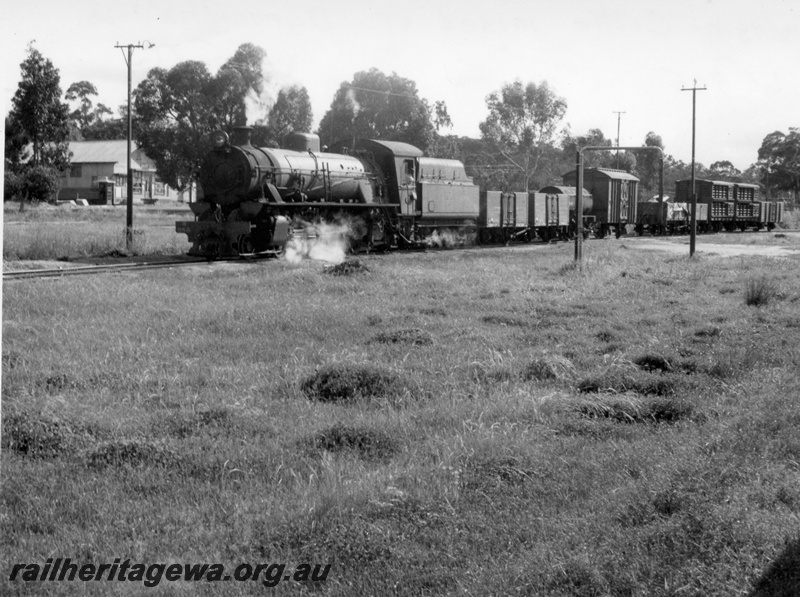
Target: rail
[[97, 269]]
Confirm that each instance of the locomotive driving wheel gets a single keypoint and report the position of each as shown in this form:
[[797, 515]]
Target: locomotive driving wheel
[[245, 244]]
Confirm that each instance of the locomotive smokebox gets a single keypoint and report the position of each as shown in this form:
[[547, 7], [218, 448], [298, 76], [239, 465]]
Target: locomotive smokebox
[[241, 135]]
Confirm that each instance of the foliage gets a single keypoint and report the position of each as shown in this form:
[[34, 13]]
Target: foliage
[[291, 112], [40, 183], [521, 125], [725, 170], [593, 159], [86, 113], [12, 185], [39, 112], [106, 130], [177, 109], [16, 145], [377, 106], [779, 162], [648, 164], [238, 80]]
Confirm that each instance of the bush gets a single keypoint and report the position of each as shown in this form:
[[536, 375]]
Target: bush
[[40, 183], [12, 185]]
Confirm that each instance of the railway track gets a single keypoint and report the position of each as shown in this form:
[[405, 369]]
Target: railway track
[[97, 269]]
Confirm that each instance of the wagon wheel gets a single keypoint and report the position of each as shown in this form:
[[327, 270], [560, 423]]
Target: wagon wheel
[[545, 234]]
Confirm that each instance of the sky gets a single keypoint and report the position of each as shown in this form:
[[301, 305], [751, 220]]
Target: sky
[[601, 56]]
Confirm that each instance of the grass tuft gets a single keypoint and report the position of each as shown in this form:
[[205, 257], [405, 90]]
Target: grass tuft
[[61, 381], [496, 474], [550, 367], [650, 362], [346, 268], [348, 382], [414, 336], [631, 408], [35, 436], [369, 444], [621, 381], [130, 452], [186, 425], [760, 291], [606, 336], [504, 320]]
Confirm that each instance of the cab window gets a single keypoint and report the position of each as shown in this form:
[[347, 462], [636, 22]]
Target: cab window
[[408, 172]]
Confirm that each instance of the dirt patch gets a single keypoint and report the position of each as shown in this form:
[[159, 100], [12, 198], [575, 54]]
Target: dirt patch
[[710, 249]]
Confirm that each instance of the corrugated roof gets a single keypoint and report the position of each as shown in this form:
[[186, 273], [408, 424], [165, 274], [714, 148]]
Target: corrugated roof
[[105, 152], [616, 174]]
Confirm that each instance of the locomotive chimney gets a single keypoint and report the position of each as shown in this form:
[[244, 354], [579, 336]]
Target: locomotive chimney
[[241, 135]]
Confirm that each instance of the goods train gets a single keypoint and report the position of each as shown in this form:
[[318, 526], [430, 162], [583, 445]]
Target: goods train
[[721, 206], [252, 200]]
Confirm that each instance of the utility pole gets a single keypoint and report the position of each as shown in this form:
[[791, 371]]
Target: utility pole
[[619, 117], [693, 215], [128, 61]]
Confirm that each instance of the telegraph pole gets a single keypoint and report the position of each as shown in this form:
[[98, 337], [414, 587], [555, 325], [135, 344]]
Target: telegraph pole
[[619, 117], [693, 215], [128, 61]]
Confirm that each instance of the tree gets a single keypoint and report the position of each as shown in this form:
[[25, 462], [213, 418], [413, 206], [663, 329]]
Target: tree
[[377, 106], [39, 112], [176, 110], [86, 113], [649, 164], [16, 145], [291, 112], [724, 170], [112, 129], [522, 123], [238, 80], [591, 159], [779, 162]]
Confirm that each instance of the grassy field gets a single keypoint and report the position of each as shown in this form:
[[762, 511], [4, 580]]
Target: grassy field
[[479, 422], [44, 232]]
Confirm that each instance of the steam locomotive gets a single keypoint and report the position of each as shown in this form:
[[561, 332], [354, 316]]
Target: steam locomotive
[[253, 200]]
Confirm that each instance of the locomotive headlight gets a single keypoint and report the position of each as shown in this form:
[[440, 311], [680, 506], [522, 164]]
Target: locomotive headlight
[[219, 139]]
